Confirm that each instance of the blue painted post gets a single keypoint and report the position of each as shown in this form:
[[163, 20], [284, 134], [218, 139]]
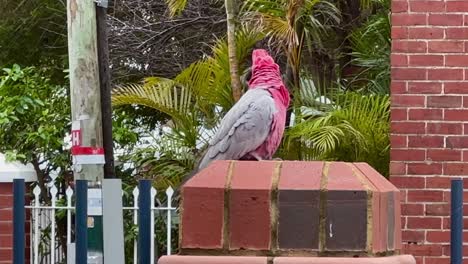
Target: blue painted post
[[456, 222], [144, 223], [19, 219], [81, 226]]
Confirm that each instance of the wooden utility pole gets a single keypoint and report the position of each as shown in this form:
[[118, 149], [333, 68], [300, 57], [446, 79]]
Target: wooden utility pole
[[91, 107], [105, 84], [88, 154]]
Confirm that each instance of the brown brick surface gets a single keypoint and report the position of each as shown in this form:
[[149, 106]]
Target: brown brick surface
[[429, 163], [299, 205], [6, 188], [341, 177], [346, 221], [203, 208], [404, 259], [212, 260], [249, 205], [390, 210], [6, 255], [6, 223]]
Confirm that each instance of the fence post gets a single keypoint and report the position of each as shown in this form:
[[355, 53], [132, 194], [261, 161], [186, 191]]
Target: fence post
[[144, 214], [81, 226], [19, 219], [456, 222]]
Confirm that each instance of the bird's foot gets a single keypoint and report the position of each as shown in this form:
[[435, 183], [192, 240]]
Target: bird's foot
[[256, 156]]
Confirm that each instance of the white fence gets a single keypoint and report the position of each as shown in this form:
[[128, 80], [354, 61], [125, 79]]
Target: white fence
[[45, 249]]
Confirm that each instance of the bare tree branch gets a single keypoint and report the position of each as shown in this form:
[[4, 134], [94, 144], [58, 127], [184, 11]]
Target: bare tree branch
[[144, 41]]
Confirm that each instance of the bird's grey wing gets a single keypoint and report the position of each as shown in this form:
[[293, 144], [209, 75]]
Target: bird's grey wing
[[244, 128]]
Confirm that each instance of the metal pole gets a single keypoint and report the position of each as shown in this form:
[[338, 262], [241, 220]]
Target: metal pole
[[81, 227], [19, 220], [456, 222], [144, 218]]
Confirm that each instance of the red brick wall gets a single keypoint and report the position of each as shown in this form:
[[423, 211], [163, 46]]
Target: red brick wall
[[6, 224], [429, 113]]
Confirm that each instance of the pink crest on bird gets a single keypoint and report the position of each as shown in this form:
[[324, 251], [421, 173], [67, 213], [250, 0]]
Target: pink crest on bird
[[264, 70]]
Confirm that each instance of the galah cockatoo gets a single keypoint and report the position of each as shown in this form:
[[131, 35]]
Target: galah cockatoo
[[252, 129]]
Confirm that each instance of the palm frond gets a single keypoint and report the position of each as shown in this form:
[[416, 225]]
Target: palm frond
[[158, 93], [176, 6], [274, 8], [356, 129], [318, 18]]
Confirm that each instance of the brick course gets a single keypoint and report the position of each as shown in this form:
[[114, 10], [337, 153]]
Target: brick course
[[429, 107]]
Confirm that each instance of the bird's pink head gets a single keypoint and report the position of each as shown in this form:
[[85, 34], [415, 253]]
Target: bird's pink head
[[264, 69], [262, 62], [260, 57], [266, 74]]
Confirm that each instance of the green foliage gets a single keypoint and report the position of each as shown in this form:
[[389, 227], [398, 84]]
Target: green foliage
[[293, 26], [371, 52], [356, 129], [34, 117], [176, 6], [291, 22], [34, 32], [34, 123]]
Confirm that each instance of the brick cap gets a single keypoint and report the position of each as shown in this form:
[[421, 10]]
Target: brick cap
[[275, 207], [211, 260], [293, 175], [402, 259], [15, 170]]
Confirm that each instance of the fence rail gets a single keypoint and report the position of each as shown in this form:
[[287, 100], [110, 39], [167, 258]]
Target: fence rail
[[44, 224]]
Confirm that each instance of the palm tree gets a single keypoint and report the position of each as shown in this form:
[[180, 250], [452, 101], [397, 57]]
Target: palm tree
[[293, 25], [231, 40], [176, 6]]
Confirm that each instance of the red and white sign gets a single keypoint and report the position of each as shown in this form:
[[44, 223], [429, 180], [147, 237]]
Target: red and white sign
[[87, 155], [82, 154], [76, 134]]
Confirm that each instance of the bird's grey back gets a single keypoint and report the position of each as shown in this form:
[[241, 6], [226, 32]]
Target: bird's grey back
[[243, 129]]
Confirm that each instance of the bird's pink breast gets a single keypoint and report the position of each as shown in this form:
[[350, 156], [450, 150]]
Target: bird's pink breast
[[272, 142], [266, 74]]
